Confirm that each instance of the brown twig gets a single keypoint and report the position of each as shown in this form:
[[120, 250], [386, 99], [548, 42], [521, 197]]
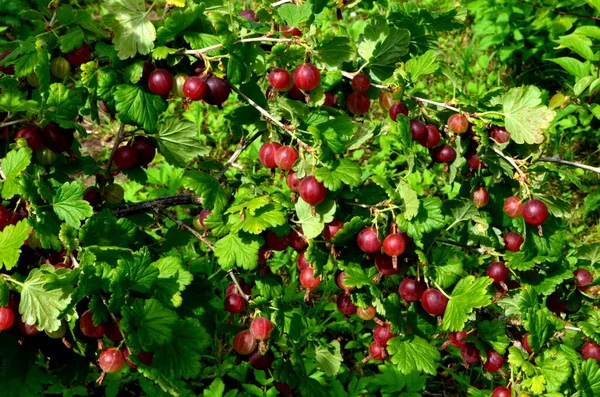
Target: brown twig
[[243, 145], [9, 123], [161, 202], [511, 161], [250, 40], [556, 159], [120, 134]]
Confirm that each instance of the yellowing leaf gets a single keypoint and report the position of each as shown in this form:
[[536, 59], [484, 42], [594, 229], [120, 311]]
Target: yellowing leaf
[[176, 3]]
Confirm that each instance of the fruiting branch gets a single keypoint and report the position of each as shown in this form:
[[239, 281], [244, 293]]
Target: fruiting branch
[[480, 250], [118, 140], [281, 2], [556, 159], [511, 161], [9, 123], [250, 40], [243, 145], [161, 202]]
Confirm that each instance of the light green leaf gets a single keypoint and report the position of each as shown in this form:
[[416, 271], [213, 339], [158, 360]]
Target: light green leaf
[[69, 205], [133, 30], [429, 217], [11, 241], [63, 101], [411, 200], [587, 379], [295, 15], [255, 222], [422, 65], [470, 293], [339, 173], [204, 185], [494, 333], [178, 142], [147, 323], [414, 354], [15, 162], [329, 362], [136, 106], [335, 51], [313, 225], [524, 115], [41, 305], [555, 367], [573, 66], [238, 249]]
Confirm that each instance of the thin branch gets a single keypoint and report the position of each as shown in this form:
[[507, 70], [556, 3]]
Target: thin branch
[[164, 14], [556, 159], [120, 134], [161, 202], [281, 2], [9, 123], [481, 250], [350, 76], [250, 40], [511, 161], [243, 145], [208, 244], [569, 328]]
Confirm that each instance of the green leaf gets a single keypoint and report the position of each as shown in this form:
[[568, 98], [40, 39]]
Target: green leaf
[[539, 327], [180, 357], [63, 101], [414, 354], [204, 185], [136, 106], [14, 100], [72, 40], [138, 272], [13, 164], [41, 305], [388, 52], [238, 249], [313, 225], [216, 389], [494, 334], [587, 379], [11, 241], [555, 367], [295, 15], [447, 266], [255, 222], [349, 230], [470, 293], [462, 210], [4, 292], [411, 200], [178, 141], [339, 173], [589, 252], [329, 362], [69, 205], [573, 66], [428, 218], [147, 324], [335, 51], [422, 65], [524, 115], [133, 73], [133, 30]]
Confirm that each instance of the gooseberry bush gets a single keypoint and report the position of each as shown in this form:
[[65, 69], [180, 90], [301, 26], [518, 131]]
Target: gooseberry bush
[[290, 198]]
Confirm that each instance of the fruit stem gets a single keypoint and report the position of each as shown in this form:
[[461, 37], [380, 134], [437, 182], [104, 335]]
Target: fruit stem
[[9, 123], [220, 45], [281, 2], [238, 151], [441, 290], [118, 140], [511, 161], [12, 280]]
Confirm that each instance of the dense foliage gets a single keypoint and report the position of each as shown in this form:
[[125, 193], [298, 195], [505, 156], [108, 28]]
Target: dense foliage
[[299, 198]]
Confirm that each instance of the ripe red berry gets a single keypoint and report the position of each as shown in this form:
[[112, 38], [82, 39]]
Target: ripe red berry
[[497, 271], [295, 94], [513, 241], [312, 191], [366, 314], [584, 277], [232, 288], [195, 88], [470, 353], [111, 360], [260, 361], [283, 388], [27, 329], [360, 83], [358, 103], [198, 68], [297, 241], [513, 207], [411, 290], [289, 32], [444, 154], [7, 318], [160, 82], [383, 333], [87, 326], [555, 302], [480, 197], [145, 150], [501, 391], [331, 229], [266, 154], [292, 181], [418, 130], [432, 138], [368, 240], [591, 350], [308, 279], [277, 243], [458, 123], [377, 352], [500, 135], [249, 13], [456, 338], [386, 100], [394, 244], [330, 100], [345, 305], [535, 212], [434, 302], [7, 69], [218, 90], [473, 160], [302, 262], [396, 109], [32, 135], [339, 280], [494, 361], [144, 357], [56, 138], [525, 343], [126, 157], [79, 56], [199, 220], [235, 304], [260, 328], [385, 264], [285, 157], [244, 343], [306, 77], [280, 79], [113, 332]]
